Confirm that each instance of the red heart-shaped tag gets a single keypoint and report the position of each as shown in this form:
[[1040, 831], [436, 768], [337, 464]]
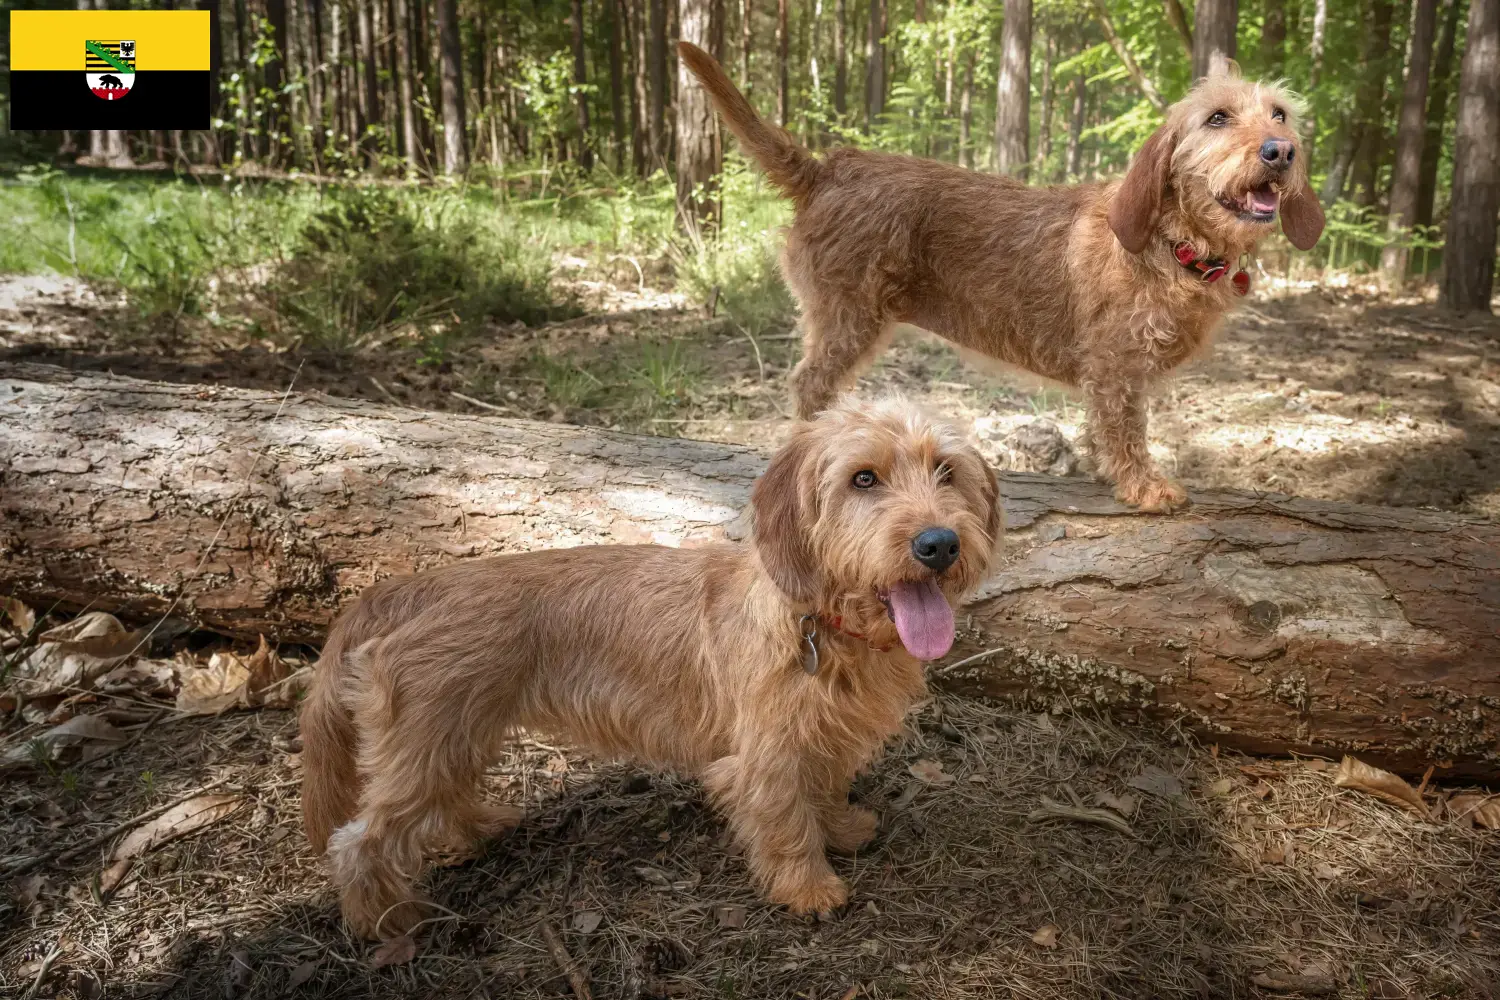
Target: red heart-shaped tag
[[1241, 281]]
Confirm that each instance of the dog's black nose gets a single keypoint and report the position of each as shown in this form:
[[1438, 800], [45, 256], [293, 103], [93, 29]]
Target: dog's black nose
[[936, 548], [1277, 153]]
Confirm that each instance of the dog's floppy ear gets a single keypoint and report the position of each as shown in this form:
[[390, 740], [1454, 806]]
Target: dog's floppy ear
[[1302, 216], [780, 516], [996, 523], [1137, 203]]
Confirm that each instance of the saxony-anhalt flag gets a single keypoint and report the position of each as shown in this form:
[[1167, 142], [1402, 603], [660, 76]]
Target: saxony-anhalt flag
[[108, 69]]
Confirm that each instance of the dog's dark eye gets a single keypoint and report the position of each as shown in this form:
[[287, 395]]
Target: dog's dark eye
[[864, 479], [1218, 119], [1278, 115]]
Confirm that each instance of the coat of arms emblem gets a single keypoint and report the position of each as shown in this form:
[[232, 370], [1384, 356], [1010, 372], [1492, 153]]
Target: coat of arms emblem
[[109, 68]]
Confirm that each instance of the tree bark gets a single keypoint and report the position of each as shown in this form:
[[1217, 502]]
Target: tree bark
[[1262, 622], [966, 116], [840, 57], [580, 81], [1365, 118], [276, 68], [747, 44], [370, 76], [697, 162], [1437, 111], [617, 83], [875, 64], [657, 66], [1074, 158], [455, 151], [1214, 25], [1410, 133], [1044, 138], [1469, 251], [1273, 40], [783, 68], [1132, 68], [1178, 19], [1013, 92], [640, 144], [410, 142]]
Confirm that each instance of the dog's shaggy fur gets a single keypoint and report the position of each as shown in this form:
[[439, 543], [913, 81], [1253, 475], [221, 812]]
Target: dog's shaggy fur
[[691, 658], [1076, 284]]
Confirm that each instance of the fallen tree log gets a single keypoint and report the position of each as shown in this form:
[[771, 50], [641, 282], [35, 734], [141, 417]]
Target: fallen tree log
[[1261, 622]]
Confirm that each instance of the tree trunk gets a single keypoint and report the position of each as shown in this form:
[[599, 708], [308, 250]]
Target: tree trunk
[[1365, 125], [747, 44], [411, 142], [1044, 139], [455, 153], [1214, 25], [276, 68], [1132, 68], [640, 92], [370, 75], [1074, 159], [783, 68], [697, 163], [966, 116], [1469, 251], [1178, 18], [1013, 92], [580, 81], [1409, 136], [840, 57], [875, 64], [657, 60], [1262, 622], [1437, 112], [617, 83], [1315, 51], [1273, 40]]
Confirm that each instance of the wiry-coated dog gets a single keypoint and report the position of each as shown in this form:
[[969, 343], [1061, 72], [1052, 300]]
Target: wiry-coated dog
[[773, 670], [1099, 286]]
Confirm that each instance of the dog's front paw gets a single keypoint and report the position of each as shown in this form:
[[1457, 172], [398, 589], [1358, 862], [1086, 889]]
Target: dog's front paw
[[820, 895], [851, 828], [1154, 496]]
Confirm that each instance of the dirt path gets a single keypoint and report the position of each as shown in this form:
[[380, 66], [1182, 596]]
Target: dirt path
[[1325, 393]]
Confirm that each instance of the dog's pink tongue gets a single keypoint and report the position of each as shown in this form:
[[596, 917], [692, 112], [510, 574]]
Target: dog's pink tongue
[[923, 619], [1263, 200]]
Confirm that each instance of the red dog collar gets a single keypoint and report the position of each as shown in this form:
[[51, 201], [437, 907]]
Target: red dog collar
[[837, 624], [1210, 269]]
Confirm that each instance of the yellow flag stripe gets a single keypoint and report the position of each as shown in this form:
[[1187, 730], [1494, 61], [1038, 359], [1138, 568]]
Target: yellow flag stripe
[[54, 39]]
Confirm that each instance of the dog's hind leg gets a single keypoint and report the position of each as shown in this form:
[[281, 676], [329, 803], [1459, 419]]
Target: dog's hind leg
[[421, 763]]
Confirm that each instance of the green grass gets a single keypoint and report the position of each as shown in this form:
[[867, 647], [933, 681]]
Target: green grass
[[349, 267]]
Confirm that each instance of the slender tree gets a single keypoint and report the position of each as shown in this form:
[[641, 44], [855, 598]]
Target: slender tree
[[840, 57], [1437, 111], [1214, 25], [276, 124], [1367, 94], [370, 75], [1469, 251], [616, 84], [635, 35], [875, 64], [1177, 17], [1013, 91], [1273, 39], [1074, 157], [747, 44], [1409, 135], [697, 160], [410, 141], [455, 152], [1373, 145], [783, 69], [966, 115], [580, 84], [657, 59], [1044, 139]]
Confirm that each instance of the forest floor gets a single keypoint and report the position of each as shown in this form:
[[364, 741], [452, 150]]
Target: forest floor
[[1236, 878]]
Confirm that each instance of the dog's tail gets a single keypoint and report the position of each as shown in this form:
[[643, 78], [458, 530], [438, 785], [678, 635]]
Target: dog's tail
[[789, 166], [330, 782]]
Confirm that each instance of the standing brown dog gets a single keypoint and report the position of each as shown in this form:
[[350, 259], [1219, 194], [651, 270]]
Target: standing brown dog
[[773, 670], [1100, 286]]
